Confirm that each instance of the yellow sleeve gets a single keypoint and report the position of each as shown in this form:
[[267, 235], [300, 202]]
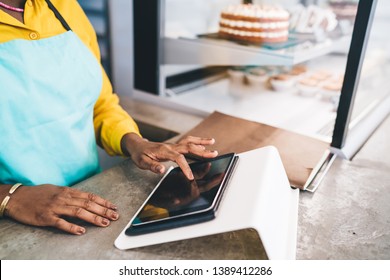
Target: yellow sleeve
[[111, 122]]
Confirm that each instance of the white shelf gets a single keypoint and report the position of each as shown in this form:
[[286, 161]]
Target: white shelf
[[287, 110], [206, 51]]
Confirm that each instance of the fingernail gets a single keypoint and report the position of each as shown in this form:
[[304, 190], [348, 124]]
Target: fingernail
[[113, 207], [115, 216], [105, 222], [159, 168], [81, 231]]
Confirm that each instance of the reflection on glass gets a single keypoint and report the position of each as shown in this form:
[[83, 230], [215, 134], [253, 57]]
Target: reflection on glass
[[177, 195]]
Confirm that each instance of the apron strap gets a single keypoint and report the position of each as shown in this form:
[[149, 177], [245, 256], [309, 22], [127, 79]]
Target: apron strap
[[58, 15]]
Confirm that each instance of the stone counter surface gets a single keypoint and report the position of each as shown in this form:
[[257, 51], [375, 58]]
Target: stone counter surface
[[128, 187], [347, 218]]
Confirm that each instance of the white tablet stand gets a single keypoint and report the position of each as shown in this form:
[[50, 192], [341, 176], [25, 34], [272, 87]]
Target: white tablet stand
[[258, 196]]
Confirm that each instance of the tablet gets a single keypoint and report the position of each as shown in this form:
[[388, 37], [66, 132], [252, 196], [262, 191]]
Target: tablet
[[177, 201]]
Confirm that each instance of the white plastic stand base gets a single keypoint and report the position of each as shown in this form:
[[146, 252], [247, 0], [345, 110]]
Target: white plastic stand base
[[258, 196]]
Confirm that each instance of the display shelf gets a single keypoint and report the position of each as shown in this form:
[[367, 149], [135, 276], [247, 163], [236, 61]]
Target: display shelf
[[310, 115], [287, 110], [208, 51]]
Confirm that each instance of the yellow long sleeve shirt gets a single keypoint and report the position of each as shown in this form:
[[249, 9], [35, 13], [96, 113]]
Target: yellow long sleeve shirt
[[111, 122]]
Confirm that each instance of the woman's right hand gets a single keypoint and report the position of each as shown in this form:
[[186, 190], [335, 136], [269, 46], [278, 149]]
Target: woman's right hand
[[46, 205]]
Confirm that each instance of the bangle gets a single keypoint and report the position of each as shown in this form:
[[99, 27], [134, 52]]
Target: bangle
[[7, 198]]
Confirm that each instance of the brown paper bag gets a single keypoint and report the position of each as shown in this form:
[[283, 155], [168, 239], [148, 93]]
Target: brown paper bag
[[300, 154]]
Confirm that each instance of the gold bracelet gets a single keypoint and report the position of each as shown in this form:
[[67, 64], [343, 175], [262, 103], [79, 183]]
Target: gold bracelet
[[7, 198]]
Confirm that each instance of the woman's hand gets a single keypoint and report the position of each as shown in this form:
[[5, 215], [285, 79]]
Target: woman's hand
[[46, 205], [149, 155]]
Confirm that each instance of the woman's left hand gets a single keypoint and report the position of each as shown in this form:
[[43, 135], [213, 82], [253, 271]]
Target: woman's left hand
[[149, 155]]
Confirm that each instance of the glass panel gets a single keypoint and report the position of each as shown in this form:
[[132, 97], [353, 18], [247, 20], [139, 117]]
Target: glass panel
[[374, 85], [292, 84]]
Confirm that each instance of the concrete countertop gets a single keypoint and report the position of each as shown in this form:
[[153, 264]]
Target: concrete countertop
[[348, 217]]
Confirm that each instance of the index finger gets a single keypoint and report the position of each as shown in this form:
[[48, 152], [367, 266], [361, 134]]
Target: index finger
[[184, 166], [197, 140]]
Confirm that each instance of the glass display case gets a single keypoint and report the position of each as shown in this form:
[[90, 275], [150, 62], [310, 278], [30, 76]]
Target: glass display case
[[308, 82]]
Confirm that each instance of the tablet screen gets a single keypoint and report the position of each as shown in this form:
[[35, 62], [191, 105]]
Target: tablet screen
[[178, 196]]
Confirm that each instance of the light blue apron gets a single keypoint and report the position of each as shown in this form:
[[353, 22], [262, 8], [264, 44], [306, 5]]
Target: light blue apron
[[48, 89]]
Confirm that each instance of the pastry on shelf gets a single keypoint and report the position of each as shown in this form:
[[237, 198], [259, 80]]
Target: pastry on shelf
[[320, 75], [311, 19], [344, 9], [236, 74], [282, 82], [254, 23], [340, 78], [308, 87], [257, 76], [298, 70], [331, 90]]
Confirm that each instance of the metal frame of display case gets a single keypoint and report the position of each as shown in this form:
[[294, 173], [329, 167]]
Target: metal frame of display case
[[361, 30], [152, 50], [147, 45]]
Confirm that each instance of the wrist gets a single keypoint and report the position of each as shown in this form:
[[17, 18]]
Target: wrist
[[129, 142], [7, 198]]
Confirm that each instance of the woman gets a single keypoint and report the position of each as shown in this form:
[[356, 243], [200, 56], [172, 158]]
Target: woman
[[56, 102]]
